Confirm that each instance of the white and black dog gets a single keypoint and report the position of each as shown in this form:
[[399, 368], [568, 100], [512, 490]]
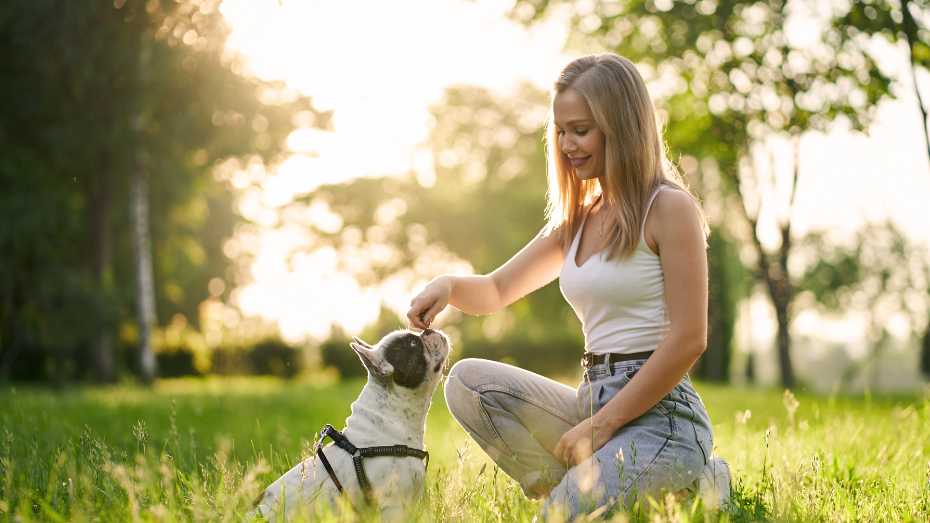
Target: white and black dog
[[404, 369]]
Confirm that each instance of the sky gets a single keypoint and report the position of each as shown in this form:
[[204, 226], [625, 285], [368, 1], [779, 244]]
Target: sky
[[379, 65]]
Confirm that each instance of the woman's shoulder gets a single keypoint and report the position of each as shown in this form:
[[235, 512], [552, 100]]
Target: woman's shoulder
[[674, 201], [673, 210]]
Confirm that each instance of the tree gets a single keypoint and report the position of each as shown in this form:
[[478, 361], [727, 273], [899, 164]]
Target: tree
[[879, 272], [485, 200], [102, 95], [898, 23], [740, 78]]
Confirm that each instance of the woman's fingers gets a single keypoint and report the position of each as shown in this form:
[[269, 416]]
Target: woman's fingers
[[418, 314], [559, 451]]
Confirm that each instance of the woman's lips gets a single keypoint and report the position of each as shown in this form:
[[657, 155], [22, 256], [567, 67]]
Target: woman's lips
[[578, 162]]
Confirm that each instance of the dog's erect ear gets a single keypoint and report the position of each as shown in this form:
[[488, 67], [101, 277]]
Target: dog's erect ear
[[362, 342], [373, 360]]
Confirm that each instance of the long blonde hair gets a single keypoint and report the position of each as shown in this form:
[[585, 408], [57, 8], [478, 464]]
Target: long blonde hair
[[635, 160]]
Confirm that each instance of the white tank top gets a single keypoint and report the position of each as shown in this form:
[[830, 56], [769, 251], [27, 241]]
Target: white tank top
[[621, 303]]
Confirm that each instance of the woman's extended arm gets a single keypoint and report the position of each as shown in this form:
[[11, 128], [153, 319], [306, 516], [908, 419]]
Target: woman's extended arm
[[679, 236], [535, 265]]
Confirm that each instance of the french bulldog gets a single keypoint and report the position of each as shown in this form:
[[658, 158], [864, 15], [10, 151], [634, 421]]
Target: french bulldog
[[404, 369]]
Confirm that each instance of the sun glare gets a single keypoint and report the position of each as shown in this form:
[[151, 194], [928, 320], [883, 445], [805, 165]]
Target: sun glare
[[379, 66]]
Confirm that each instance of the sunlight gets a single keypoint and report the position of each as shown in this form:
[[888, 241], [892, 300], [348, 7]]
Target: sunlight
[[379, 66], [379, 78]]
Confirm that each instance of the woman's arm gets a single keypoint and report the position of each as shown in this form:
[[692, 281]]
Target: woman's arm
[[535, 265], [679, 236]]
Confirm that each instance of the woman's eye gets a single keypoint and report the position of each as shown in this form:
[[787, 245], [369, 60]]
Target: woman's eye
[[581, 131]]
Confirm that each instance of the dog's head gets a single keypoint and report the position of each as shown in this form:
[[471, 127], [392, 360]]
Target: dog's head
[[405, 358]]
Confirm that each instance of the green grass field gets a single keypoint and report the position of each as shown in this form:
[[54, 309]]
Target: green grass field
[[203, 449]]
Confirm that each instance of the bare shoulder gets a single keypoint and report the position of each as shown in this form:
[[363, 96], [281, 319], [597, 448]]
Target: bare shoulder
[[675, 204], [674, 217]]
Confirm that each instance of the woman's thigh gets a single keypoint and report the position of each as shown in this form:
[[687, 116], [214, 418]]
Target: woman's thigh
[[517, 417], [664, 449]]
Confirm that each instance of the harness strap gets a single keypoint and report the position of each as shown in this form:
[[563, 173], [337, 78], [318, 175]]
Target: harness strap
[[329, 468], [399, 451]]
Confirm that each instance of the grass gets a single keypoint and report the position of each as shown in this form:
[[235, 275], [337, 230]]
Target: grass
[[203, 449]]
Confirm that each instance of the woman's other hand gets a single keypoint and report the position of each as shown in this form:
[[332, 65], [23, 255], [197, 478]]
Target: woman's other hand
[[429, 302], [581, 442]]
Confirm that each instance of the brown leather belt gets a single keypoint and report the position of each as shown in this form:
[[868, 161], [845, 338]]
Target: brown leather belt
[[591, 359]]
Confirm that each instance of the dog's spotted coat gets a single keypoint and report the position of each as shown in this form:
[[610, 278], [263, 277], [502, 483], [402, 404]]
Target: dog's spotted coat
[[404, 369]]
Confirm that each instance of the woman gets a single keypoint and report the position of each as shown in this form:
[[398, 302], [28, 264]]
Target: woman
[[627, 241]]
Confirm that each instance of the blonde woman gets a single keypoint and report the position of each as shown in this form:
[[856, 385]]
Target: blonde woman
[[627, 241]]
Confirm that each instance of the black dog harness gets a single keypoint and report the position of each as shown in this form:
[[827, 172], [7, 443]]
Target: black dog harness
[[358, 454]]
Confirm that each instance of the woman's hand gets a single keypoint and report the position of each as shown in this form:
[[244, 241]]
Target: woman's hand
[[582, 441], [431, 301]]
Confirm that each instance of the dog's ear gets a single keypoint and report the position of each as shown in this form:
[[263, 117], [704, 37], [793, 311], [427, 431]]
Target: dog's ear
[[373, 360], [362, 342]]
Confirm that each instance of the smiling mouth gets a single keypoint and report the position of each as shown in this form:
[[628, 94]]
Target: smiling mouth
[[578, 162]]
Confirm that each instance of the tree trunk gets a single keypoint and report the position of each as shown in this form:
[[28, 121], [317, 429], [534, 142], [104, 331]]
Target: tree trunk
[[783, 341], [145, 292], [99, 205], [145, 288], [909, 28], [925, 352], [775, 272], [714, 364]]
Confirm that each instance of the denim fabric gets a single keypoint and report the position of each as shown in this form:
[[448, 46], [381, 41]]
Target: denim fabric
[[518, 416]]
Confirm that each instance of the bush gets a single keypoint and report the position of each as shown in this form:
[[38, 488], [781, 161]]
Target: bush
[[275, 358], [270, 357], [550, 358], [176, 363], [337, 354]]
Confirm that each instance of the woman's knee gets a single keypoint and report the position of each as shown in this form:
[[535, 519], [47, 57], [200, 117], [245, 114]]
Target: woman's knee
[[459, 389]]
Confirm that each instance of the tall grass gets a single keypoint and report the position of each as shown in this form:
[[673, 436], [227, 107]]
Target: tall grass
[[203, 450]]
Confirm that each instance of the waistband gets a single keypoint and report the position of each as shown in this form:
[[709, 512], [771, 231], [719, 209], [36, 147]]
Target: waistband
[[590, 359]]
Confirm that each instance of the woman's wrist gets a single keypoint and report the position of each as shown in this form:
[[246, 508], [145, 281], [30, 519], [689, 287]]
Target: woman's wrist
[[447, 281], [605, 419]]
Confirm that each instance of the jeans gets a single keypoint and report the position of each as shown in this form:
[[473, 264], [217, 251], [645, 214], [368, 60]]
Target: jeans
[[518, 417]]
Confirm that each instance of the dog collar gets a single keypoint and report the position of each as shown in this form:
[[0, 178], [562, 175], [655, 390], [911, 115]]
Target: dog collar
[[359, 453]]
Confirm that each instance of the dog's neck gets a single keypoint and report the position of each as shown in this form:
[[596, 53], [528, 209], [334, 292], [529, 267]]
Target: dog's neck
[[388, 417]]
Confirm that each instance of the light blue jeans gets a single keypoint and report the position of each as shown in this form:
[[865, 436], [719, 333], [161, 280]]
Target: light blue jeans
[[518, 417]]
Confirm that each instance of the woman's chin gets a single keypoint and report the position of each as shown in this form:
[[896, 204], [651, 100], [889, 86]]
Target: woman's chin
[[584, 175]]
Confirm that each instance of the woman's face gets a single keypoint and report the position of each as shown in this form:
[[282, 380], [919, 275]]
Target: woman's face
[[581, 143]]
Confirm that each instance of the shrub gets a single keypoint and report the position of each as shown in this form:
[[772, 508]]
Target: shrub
[[336, 353], [269, 357], [176, 363], [276, 358]]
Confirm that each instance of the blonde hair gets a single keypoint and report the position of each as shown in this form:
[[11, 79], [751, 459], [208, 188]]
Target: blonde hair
[[635, 159]]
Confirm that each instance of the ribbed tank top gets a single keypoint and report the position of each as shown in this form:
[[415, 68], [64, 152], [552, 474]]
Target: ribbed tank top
[[621, 303]]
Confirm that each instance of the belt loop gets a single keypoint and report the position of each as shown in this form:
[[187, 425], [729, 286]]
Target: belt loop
[[610, 365]]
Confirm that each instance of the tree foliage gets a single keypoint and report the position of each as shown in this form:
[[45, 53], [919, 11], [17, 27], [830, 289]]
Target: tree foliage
[[738, 76], [91, 89]]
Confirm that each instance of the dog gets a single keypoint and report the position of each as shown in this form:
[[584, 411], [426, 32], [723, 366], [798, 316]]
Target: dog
[[404, 369]]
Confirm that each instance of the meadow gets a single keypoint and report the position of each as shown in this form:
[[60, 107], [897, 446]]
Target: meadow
[[201, 450]]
